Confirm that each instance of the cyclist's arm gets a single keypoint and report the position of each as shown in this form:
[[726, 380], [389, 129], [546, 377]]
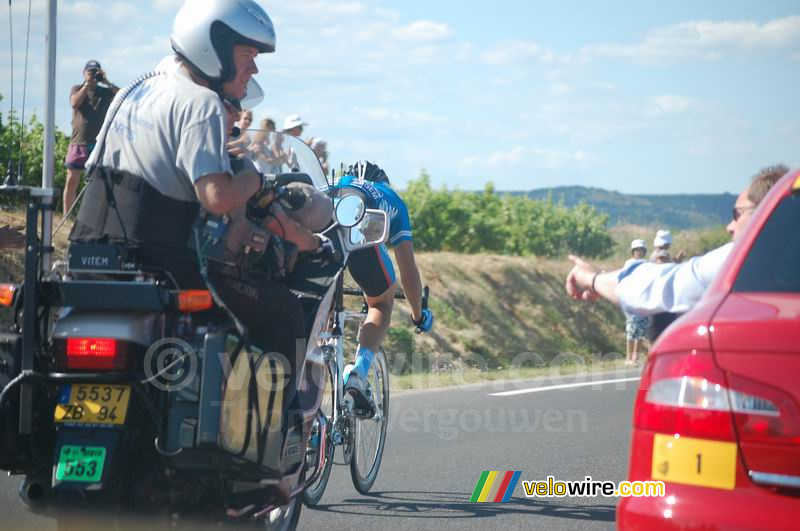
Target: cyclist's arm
[[409, 277]]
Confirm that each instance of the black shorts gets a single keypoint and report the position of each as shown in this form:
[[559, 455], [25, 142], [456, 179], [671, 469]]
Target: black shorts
[[372, 270]]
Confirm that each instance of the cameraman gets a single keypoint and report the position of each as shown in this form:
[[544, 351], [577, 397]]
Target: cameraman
[[90, 102], [163, 156]]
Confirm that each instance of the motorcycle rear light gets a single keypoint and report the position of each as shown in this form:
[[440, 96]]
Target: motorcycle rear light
[[688, 394], [93, 353], [194, 300], [7, 294]]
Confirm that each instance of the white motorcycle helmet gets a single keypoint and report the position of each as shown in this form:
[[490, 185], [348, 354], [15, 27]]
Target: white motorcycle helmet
[[205, 31]]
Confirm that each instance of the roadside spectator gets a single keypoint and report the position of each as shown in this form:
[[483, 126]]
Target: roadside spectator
[[320, 148], [661, 320], [649, 288], [661, 242], [262, 149], [293, 125], [661, 256], [12, 237], [637, 327], [239, 145], [90, 101]]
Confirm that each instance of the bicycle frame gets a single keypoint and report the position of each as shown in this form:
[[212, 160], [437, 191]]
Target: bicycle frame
[[335, 358]]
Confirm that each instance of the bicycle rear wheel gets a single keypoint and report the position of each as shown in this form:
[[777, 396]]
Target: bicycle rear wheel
[[369, 435]]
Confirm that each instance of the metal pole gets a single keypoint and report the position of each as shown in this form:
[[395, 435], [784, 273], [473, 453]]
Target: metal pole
[[48, 162]]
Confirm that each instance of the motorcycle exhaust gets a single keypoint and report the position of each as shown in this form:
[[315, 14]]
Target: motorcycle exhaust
[[35, 494]]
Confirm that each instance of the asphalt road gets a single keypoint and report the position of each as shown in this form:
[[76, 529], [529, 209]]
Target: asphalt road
[[440, 441]]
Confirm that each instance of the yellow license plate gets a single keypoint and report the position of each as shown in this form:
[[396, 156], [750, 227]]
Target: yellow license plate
[[93, 404], [694, 461]]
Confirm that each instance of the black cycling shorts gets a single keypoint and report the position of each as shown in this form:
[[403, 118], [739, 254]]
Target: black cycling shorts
[[372, 270]]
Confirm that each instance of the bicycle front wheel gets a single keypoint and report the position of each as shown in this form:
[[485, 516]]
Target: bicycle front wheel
[[369, 435]]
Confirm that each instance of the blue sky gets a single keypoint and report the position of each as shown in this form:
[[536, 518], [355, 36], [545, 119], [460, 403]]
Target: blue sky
[[640, 97]]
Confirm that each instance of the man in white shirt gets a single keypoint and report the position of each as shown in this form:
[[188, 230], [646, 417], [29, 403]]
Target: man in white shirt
[[649, 288]]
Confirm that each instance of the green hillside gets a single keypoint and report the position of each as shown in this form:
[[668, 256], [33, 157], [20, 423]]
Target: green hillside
[[678, 211]]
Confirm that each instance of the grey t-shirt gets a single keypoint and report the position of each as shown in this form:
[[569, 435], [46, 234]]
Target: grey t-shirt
[[169, 131]]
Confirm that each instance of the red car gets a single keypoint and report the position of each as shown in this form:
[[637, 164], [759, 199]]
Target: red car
[[717, 415]]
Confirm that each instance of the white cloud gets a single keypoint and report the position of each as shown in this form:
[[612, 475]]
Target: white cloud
[[395, 117], [422, 31], [164, 6], [81, 9], [511, 52], [560, 89], [123, 12], [704, 40], [534, 158], [796, 56], [672, 104]]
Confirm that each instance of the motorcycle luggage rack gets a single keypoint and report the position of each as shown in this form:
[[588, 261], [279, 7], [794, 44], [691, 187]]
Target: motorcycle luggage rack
[[108, 295]]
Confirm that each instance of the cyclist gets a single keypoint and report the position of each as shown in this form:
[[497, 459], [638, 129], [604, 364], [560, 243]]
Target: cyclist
[[372, 269]]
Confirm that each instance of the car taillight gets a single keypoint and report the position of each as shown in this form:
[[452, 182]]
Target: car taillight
[[762, 413], [685, 394], [688, 394], [93, 353]]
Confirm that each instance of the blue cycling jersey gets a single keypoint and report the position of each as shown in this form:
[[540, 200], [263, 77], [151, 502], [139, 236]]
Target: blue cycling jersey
[[382, 197]]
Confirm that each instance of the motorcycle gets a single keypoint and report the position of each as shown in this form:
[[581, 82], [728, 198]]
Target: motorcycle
[[122, 395]]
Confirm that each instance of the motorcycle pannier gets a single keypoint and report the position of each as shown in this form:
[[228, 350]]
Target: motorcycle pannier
[[253, 408]]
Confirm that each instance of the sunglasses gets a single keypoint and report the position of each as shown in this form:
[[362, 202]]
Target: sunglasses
[[738, 211]]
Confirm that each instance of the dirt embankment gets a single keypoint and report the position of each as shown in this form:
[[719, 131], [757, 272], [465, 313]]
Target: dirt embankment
[[488, 309], [498, 307]]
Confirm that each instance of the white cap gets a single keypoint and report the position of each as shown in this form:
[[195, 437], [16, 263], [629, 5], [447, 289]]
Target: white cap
[[638, 244], [663, 237], [292, 121]]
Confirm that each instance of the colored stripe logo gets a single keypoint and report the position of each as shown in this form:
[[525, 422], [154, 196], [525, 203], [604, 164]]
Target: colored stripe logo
[[494, 486]]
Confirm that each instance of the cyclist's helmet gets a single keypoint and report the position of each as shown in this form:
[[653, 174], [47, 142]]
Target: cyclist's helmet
[[205, 32], [366, 170]]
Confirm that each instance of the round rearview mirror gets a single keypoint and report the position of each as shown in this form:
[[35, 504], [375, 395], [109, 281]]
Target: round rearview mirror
[[349, 210]]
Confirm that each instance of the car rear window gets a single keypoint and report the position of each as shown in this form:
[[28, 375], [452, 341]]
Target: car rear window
[[773, 264]]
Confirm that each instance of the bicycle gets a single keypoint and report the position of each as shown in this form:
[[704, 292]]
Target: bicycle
[[362, 439]]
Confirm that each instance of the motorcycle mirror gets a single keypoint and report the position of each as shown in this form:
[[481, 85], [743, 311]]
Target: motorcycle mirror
[[371, 230], [349, 210]]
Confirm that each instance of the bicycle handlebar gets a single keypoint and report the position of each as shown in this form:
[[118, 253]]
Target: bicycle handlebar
[[358, 292]]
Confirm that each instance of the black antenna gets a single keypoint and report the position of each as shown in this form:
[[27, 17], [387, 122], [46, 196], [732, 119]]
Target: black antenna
[[24, 93], [10, 179]]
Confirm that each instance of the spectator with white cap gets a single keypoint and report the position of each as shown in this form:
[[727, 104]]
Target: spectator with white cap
[[293, 125], [661, 242], [637, 327]]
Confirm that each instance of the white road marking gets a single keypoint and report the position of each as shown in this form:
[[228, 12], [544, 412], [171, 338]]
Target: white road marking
[[563, 386]]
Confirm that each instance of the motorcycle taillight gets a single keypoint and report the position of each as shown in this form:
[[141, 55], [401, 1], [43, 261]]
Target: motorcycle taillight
[[94, 353]]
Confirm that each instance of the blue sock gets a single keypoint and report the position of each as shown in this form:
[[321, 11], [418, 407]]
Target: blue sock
[[363, 361]]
